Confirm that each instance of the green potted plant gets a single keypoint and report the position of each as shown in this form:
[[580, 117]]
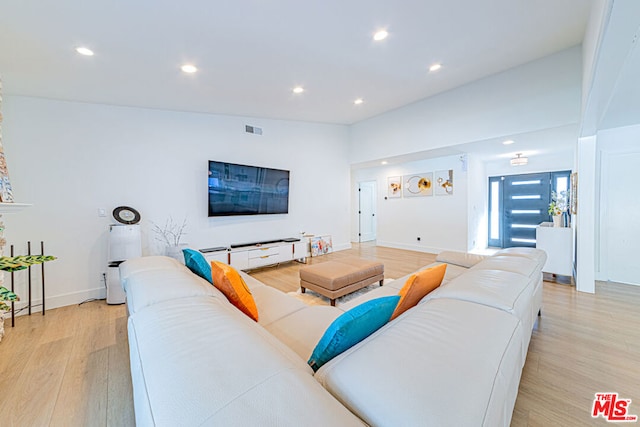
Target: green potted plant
[[5, 296], [15, 263]]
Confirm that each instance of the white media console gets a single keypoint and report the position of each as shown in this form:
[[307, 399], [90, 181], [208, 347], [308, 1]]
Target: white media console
[[259, 254]]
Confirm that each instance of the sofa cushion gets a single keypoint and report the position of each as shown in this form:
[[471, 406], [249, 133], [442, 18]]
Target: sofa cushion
[[301, 330], [504, 290], [452, 272], [273, 305], [532, 253], [229, 282], [515, 264], [463, 259], [417, 286], [252, 282], [195, 262], [149, 287], [199, 361], [351, 328], [444, 363], [376, 292], [147, 263]]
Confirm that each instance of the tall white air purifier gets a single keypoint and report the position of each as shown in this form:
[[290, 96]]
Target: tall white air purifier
[[125, 242]]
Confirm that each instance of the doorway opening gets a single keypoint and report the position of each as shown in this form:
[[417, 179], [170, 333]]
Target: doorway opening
[[519, 203], [367, 211]]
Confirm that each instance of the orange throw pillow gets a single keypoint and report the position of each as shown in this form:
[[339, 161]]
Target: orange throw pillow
[[417, 286], [229, 282]]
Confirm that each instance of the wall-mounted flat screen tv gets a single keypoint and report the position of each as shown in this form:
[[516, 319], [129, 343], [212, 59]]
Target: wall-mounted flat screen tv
[[247, 190]]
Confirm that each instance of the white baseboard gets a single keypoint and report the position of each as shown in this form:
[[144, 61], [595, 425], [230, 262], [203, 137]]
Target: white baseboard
[[341, 247], [57, 301], [417, 248]]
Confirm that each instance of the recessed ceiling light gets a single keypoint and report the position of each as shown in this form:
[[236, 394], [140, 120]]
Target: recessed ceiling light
[[508, 142], [188, 68], [298, 89], [384, 162], [358, 101], [380, 35], [435, 67], [84, 51]]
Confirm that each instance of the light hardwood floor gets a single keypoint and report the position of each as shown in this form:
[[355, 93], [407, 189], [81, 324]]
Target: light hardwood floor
[[71, 367]]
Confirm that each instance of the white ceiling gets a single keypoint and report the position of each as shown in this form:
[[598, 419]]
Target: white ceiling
[[251, 53]]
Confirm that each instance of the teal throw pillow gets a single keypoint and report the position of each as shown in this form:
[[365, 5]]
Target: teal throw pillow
[[351, 328], [195, 261]]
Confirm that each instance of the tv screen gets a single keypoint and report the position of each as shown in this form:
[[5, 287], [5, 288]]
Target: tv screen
[[247, 190]]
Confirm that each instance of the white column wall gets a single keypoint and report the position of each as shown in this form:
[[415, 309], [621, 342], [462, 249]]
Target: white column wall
[[618, 208], [585, 220]]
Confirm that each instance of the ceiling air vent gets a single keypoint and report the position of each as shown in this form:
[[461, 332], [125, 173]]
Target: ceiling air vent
[[253, 129]]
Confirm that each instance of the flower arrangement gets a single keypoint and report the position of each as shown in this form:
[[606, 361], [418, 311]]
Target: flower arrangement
[[559, 203]]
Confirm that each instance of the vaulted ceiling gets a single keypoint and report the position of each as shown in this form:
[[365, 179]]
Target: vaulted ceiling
[[250, 54]]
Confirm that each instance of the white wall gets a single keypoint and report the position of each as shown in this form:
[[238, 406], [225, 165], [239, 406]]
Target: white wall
[[477, 212], [540, 95], [440, 221], [618, 207], [69, 159]]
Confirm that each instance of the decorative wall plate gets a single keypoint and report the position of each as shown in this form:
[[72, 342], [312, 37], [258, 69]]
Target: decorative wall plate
[[126, 215]]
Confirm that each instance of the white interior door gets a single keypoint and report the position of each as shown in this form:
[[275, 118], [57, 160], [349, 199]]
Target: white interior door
[[622, 222], [367, 210]]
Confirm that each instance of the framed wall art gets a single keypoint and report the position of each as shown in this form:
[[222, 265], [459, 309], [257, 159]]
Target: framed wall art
[[321, 245], [417, 185], [444, 183], [394, 187], [6, 194]]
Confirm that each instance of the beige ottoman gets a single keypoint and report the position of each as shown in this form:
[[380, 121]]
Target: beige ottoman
[[334, 279]]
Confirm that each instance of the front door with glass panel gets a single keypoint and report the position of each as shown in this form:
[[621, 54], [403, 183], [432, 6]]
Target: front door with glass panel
[[518, 203]]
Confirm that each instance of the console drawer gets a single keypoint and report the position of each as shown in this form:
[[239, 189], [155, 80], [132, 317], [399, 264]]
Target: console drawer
[[263, 260], [263, 252]]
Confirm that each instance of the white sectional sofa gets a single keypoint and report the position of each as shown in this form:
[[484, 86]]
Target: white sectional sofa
[[454, 359]]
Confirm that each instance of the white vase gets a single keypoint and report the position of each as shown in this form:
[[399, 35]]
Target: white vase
[[558, 221], [176, 251]]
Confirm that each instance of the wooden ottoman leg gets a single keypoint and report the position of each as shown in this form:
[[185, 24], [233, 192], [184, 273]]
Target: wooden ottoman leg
[[381, 282], [333, 303], [303, 289]]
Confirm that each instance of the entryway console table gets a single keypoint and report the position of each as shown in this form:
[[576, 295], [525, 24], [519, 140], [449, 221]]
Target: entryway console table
[[557, 243]]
